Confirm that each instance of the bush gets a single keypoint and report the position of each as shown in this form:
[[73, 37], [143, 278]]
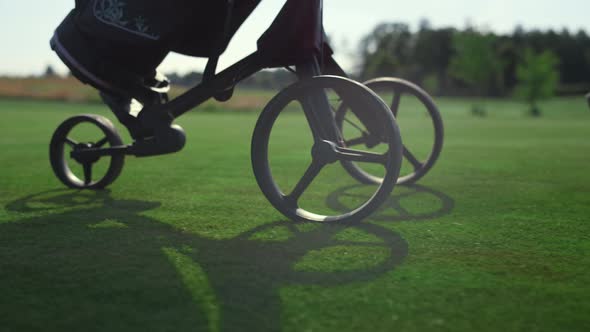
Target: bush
[[538, 77]]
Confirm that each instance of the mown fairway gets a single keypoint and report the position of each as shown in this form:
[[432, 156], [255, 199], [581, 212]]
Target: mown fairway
[[495, 238]]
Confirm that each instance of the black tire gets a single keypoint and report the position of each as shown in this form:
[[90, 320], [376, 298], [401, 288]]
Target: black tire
[[60, 160], [288, 204], [420, 167]]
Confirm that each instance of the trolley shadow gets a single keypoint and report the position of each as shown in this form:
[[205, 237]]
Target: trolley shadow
[[99, 263], [414, 193]]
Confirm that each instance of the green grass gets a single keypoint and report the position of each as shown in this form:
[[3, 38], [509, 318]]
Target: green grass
[[495, 238]]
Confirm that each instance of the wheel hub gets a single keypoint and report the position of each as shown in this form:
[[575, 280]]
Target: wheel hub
[[324, 152], [84, 158]]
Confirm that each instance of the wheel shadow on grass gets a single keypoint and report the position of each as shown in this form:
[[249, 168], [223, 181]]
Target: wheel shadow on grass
[[406, 203], [77, 260]]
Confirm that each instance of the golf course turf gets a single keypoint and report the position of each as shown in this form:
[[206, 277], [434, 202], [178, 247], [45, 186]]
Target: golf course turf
[[495, 238]]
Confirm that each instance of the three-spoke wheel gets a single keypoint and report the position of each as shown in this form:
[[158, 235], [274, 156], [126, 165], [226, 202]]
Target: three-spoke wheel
[[420, 123], [300, 120], [75, 152]]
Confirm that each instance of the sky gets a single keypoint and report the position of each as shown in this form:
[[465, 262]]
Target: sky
[[27, 25]]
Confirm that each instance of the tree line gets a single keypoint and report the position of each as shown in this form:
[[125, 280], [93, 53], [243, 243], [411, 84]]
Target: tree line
[[450, 61]]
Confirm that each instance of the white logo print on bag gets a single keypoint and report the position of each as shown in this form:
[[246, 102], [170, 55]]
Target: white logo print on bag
[[112, 12]]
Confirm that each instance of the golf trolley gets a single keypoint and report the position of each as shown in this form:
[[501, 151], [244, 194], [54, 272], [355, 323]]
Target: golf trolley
[[295, 41]]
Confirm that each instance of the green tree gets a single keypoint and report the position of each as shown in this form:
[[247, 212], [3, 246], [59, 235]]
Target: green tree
[[387, 51], [432, 51], [538, 77], [49, 72], [382, 63], [476, 63]]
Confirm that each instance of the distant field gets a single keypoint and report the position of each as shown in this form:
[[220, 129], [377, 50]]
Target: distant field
[[70, 89], [495, 238], [57, 89]]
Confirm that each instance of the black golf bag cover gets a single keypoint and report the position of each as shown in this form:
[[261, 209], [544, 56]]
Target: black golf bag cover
[[115, 44], [296, 34]]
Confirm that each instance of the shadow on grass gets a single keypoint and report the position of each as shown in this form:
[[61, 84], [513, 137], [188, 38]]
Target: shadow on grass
[[407, 203], [82, 260]]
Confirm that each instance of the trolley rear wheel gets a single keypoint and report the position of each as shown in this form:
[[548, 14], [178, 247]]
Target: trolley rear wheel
[[420, 118]]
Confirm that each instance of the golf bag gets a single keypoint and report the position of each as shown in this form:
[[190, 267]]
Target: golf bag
[[115, 44]]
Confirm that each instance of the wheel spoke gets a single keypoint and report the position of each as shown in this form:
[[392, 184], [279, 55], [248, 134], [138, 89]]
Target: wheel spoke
[[356, 141], [360, 156], [87, 173], [397, 96], [335, 101], [357, 127], [412, 159], [70, 142], [101, 143], [311, 173]]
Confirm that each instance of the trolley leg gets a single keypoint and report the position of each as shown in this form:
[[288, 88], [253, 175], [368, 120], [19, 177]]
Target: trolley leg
[[317, 107]]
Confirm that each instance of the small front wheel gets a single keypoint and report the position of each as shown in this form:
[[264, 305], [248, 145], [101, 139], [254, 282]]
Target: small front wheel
[[296, 158], [79, 170]]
